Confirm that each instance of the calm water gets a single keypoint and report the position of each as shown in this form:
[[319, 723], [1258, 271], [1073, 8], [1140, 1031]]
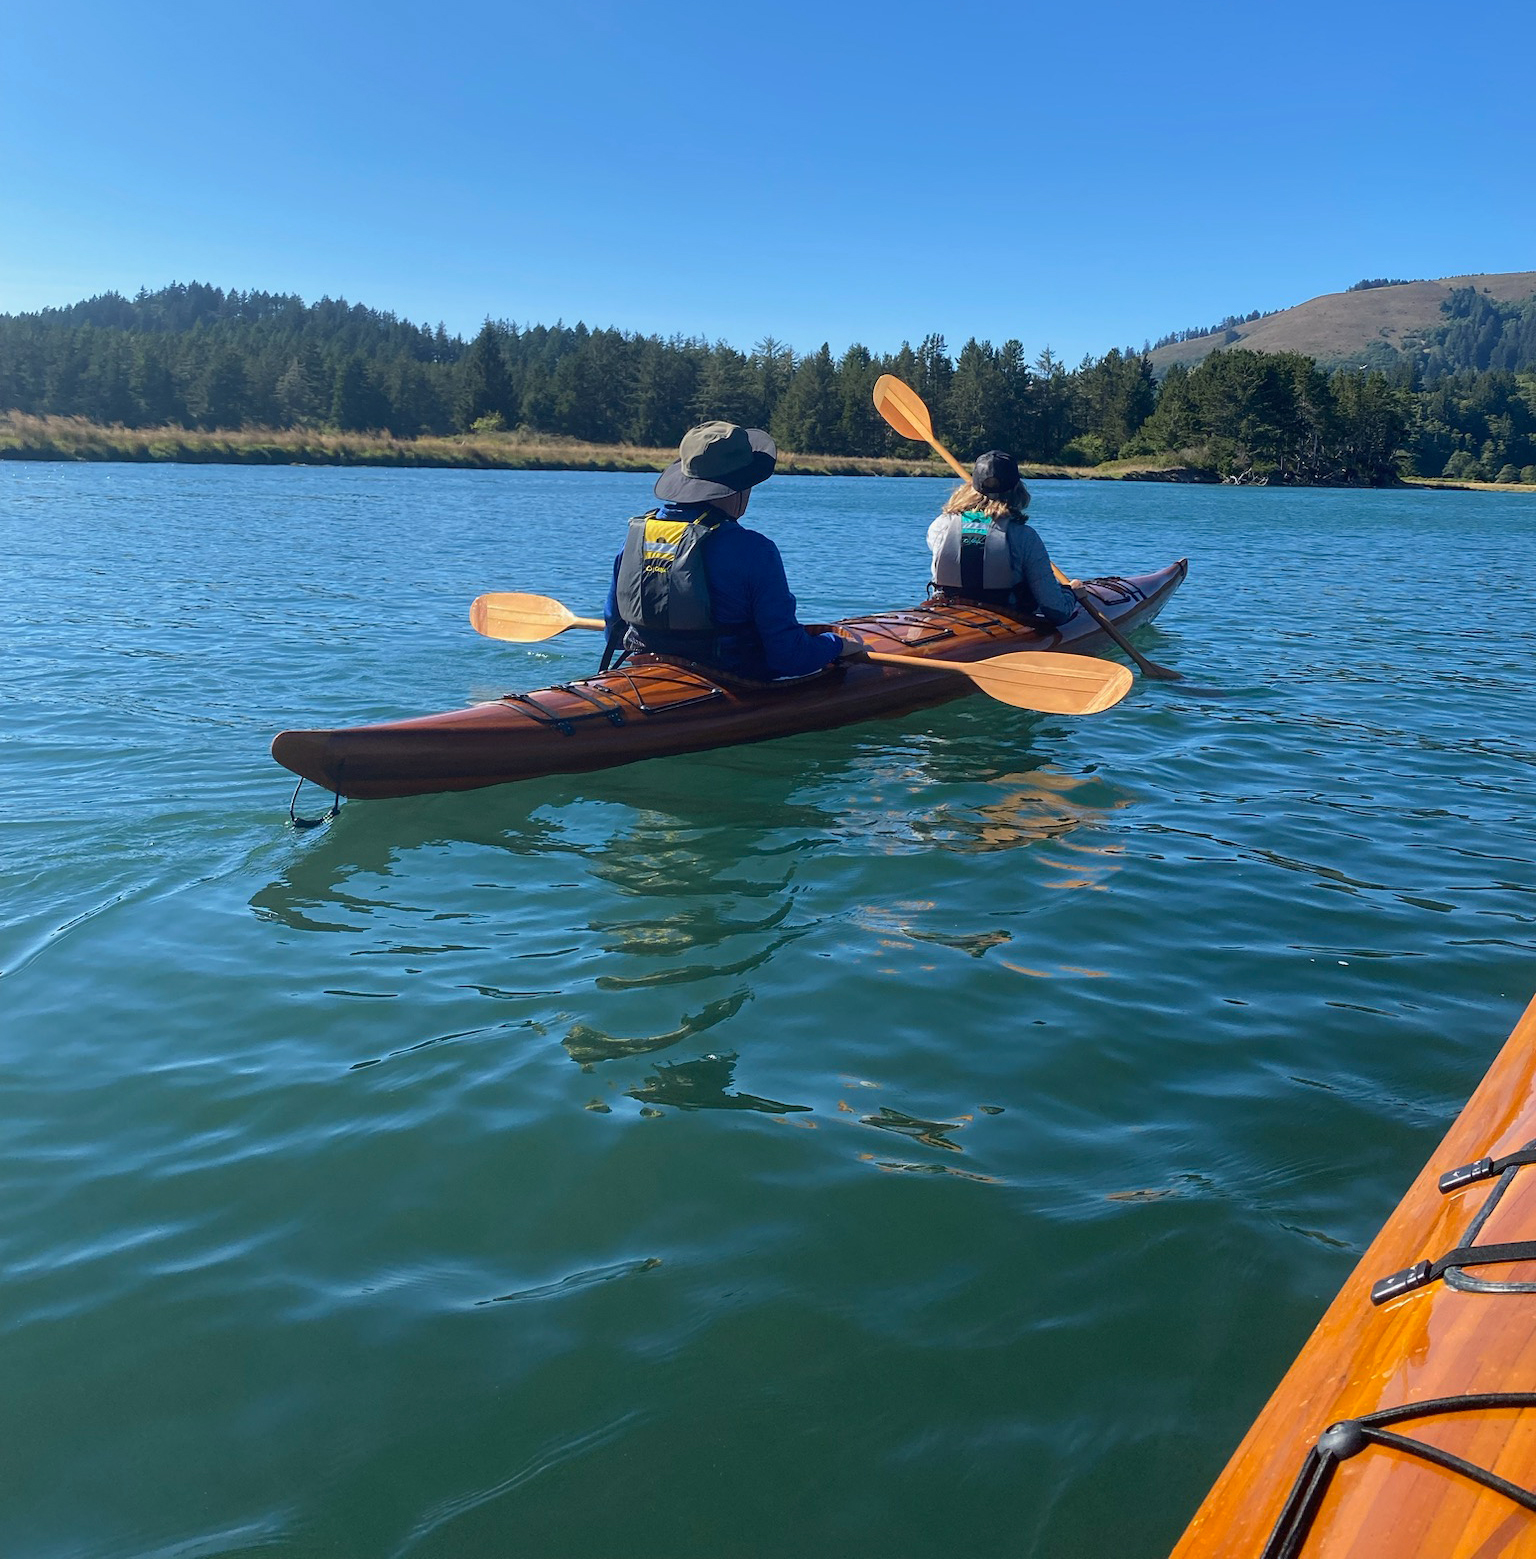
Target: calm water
[[932, 1136]]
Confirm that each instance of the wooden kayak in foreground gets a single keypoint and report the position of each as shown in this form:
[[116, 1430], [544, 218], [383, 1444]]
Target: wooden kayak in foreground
[[1407, 1425], [651, 707]]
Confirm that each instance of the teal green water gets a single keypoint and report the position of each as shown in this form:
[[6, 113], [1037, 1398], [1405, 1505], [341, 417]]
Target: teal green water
[[932, 1136]]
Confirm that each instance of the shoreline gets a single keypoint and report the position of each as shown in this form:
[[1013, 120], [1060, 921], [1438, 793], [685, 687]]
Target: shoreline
[[24, 437]]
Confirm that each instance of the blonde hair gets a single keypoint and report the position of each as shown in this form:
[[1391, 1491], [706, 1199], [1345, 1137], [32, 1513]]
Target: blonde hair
[[965, 497]]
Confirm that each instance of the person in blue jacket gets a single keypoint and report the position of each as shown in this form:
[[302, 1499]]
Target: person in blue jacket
[[693, 582]]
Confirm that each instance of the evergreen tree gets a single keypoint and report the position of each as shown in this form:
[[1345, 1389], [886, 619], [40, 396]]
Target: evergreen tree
[[978, 414], [217, 398], [727, 389], [1115, 395], [156, 396], [666, 377], [298, 390], [774, 365], [357, 404], [484, 386], [934, 372], [861, 429], [808, 417], [1053, 423]]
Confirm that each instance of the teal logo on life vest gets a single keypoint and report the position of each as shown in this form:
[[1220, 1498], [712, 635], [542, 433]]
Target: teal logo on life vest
[[972, 555], [975, 527]]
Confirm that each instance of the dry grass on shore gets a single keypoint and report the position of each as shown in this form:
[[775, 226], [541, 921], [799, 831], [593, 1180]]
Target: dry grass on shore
[[25, 437], [1466, 484]]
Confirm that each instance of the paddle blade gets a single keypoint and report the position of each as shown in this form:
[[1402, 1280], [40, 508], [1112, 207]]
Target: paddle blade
[[524, 619], [1053, 684], [903, 408]]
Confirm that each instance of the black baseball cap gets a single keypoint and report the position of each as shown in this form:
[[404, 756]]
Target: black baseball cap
[[995, 474]]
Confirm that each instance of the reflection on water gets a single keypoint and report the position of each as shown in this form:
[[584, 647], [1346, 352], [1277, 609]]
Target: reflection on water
[[576, 1280], [586, 1044], [932, 1134], [703, 1085], [685, 875], [976, 944], [1040, 804]]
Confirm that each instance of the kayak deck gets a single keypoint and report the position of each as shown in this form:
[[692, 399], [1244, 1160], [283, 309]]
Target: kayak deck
[[1421, 1361], [653, 707]]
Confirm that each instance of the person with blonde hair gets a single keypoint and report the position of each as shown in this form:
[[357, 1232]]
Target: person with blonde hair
[[985, 552]]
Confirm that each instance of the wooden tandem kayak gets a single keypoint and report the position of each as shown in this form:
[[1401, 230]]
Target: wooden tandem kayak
[[651, 707], [1407, 1425]]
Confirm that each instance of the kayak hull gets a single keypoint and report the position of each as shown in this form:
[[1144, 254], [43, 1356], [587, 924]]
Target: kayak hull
[[1470, 1333], [652, 707]]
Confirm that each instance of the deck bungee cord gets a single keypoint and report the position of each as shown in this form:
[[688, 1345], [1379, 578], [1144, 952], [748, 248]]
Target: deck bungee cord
[[1347, 1438]]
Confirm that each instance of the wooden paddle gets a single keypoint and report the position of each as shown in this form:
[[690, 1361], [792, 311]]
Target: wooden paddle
[[907, 412], [1052, 684], [524, 619]]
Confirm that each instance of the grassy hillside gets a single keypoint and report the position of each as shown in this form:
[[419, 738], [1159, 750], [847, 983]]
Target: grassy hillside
[[1341, 328]]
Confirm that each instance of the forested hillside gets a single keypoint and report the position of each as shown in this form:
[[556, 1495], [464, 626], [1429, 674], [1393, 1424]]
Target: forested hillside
[[198, 357]]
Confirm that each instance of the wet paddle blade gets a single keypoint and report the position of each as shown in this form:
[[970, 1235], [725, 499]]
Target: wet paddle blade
[[1053, 684], [523, 619]]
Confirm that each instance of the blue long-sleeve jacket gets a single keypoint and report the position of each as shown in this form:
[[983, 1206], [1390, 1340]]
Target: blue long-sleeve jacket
[[747, 585]]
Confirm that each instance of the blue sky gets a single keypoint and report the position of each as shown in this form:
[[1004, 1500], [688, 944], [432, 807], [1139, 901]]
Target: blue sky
[[1080, 177]]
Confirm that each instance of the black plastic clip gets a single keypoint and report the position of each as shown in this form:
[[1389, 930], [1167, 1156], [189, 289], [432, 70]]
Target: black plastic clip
[[1468, 1174], [1400, 1283]]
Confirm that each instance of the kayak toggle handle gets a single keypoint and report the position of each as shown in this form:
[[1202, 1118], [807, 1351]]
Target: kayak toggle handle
[[311, 822], [1484, 1169], [1467, 1174], [1400, 1283], [1422, 1273]]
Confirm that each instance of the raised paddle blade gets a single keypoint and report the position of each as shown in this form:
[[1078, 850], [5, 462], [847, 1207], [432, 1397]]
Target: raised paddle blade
[[523, 619], [903, 408], [1052, 684]]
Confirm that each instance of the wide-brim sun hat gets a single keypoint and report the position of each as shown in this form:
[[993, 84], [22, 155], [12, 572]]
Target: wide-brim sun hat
[[717, 460]]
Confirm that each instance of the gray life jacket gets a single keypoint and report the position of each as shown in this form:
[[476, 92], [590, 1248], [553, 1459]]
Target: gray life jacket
[[972, 558], [662, 585]]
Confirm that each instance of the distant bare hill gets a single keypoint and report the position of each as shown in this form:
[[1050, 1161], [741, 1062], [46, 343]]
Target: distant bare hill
[[1349, 326]]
